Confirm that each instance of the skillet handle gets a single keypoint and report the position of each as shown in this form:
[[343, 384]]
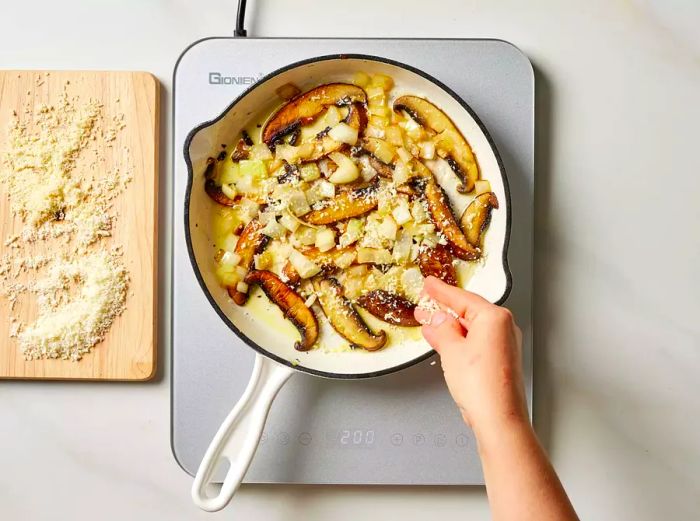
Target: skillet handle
[[239, 435]]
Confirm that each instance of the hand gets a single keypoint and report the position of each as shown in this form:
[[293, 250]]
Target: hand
[[480, 355]]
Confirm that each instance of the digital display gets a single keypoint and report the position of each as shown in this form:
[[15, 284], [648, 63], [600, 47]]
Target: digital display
[[354, 438]]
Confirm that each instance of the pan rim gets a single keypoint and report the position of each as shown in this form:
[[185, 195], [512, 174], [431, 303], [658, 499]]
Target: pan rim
[[190, 180]]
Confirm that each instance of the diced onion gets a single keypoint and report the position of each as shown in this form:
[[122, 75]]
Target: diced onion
[[260, 152], [274, 229], [263, 261], [402, 248], [412, 283], [247, 210], [482, 186], [383, 151], [352, 233], [303, 265], [427, 149], [394, 136], [242, 287], [404, 154], [374, 131], [306, 150], [379, 110], [375, 93], [227, 276], [345, 260], [430, 241], [229, 191], [309, 172], [326, 189], [367, 172], [383, 81], [361, 79], [241, 272], [401, 213], [325, 239], [413, 130], [343, 133], [298, 203], [230, 242], [289, 222], [332, 117], [310, 301], [305, 235], [388, 228], [418, 211], [374, 256], [287, 153], [230, 258], [379, 121], [347, 170], [229, 172], [401, 173]]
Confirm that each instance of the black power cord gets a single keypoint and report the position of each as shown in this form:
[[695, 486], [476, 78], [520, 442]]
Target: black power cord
[[240, 20]]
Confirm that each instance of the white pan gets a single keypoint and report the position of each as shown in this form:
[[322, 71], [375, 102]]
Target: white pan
[[276, 359]]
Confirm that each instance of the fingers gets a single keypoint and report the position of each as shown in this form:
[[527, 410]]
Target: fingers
[[442, 331], [465, 303]]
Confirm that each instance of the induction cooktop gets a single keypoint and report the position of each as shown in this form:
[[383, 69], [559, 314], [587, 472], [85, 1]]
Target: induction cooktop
[[398, 429]]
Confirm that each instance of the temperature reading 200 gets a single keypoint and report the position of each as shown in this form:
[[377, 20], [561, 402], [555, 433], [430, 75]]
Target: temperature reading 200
[[356, 437]]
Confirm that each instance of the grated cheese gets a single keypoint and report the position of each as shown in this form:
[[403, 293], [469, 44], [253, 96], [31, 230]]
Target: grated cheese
[[69, 325], [57, 185]]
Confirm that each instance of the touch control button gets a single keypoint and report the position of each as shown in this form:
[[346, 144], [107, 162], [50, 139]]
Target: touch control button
[[461, 440], [305, 438], [418, 440], [440, 440], [396, 439], [283, 438]]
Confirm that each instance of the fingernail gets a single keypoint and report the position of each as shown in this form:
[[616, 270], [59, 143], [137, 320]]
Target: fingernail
[[438, 318]]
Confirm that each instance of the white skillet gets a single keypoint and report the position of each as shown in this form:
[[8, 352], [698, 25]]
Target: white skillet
[[276, 360]]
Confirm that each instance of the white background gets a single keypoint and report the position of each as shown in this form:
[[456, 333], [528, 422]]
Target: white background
[[617, 351]]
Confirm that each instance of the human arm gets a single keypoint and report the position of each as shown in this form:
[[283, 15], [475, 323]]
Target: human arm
[[480, 354]]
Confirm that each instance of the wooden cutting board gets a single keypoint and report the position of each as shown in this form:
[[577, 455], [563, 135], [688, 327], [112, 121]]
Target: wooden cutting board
[[128, 352]]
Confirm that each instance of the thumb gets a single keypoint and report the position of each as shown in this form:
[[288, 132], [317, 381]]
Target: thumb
[[442, 331]]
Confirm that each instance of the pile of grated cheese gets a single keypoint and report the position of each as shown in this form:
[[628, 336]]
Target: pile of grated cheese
[[45, 184], [67, 326], [58, 185]]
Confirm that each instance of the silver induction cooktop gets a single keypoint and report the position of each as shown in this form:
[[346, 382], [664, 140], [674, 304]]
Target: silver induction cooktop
[[398, 429]]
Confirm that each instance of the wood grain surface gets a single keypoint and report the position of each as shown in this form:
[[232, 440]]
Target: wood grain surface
[[128, 352]]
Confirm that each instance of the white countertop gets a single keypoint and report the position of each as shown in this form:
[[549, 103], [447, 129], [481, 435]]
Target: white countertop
[[617, 351]]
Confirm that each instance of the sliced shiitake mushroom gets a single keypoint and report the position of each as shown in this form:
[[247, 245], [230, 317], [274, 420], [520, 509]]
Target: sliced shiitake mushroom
[[389, 307], [437, 262], [441, 215], [477, 216], [303, 109], [459, 154], [251, 242], [344, 318], [291, 304], [347, 204], [211, 188]]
